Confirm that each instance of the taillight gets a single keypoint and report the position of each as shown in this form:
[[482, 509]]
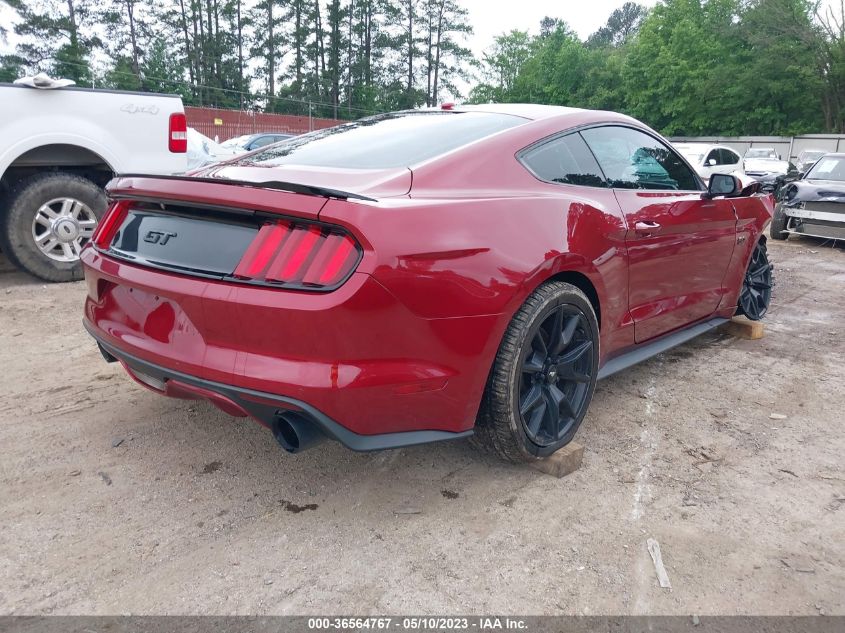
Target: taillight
[[177, 140], [108, 226], [299, 254]]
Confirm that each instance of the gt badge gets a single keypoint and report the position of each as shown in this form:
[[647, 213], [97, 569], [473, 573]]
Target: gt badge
[[158, 237]]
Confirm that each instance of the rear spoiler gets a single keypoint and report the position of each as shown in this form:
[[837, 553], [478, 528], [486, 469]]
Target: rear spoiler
[[293, 187]]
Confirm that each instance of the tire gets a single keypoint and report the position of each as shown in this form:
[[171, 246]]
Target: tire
[[35, 205], [777, 230], [756, 292], [519, 392]]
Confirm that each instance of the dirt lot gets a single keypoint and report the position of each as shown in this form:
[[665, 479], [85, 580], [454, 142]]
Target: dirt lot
[[114, 500]]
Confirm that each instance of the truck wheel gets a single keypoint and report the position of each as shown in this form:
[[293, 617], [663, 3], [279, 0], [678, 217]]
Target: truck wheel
[[543, 377], [778, 227], [50, 217]]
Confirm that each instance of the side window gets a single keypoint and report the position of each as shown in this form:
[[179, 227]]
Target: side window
[[728, 157], [713, 155], [567, 160], [631, 159]]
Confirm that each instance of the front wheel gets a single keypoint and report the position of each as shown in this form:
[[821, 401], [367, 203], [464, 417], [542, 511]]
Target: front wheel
[[756, 292], [777, 230], [543, 377]]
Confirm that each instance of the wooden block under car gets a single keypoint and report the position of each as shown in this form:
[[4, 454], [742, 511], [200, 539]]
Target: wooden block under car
[[565, 461], [743, 328]]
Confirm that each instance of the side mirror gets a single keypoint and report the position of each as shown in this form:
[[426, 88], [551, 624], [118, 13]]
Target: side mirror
[[722, 185], [711, 162]]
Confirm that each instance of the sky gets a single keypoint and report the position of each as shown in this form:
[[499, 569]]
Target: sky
[[492, 17]]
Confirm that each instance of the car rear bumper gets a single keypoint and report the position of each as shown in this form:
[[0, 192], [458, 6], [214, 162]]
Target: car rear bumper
[[356, 356], [264, 407]]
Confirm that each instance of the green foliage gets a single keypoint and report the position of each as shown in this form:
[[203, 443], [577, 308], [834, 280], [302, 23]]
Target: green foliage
[[342, 58], [57, 36], [781, 42], [503, 63], [121, 76], [11, 68], [687, 67], [622, 24], [675, 69]]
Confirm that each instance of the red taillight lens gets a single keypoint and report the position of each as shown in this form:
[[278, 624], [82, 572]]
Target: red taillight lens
[[302, 255], [108, 226], [177, 141]]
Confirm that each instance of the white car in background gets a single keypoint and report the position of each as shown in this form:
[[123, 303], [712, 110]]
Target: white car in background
[[710, 159], [762, 161], [766, 166], [204, 151]]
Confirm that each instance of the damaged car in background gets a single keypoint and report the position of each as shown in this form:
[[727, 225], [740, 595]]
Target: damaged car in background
[[808, 158], [815, 204], [766, 166]]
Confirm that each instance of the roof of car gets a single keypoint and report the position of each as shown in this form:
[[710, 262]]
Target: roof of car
[[526, 110]]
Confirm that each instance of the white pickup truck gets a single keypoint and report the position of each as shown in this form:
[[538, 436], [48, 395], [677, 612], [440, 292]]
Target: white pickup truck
[[58, 147]]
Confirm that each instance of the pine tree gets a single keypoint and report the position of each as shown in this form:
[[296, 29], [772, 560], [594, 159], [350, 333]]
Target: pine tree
[[57, 37]]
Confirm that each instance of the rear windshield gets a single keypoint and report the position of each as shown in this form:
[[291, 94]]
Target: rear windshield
[[399, 139], [764, 152]]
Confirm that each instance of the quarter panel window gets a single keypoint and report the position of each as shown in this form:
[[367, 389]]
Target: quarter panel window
[[631, 159], [566, 160]]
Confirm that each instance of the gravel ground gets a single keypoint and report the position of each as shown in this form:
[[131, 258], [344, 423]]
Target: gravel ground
[[727, 452]]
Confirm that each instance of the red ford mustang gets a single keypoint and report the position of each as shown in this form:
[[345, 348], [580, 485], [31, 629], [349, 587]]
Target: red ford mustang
[[423, 275]]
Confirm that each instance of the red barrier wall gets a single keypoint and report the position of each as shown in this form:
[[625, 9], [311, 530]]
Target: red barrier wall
[[224, 124]]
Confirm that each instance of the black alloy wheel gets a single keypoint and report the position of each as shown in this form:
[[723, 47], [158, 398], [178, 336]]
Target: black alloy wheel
[[555, 376], [756, 290], [544, 375]]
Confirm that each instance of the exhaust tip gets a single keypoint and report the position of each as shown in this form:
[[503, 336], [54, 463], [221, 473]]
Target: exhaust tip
[[109, 358], [285, 434], [294, 432]]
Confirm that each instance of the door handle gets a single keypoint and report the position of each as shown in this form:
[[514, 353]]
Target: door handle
[[647, 227]]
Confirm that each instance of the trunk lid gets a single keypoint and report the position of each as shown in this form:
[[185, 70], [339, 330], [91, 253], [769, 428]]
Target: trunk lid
[[233, 231]]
